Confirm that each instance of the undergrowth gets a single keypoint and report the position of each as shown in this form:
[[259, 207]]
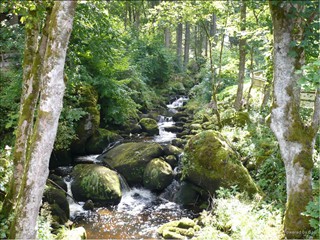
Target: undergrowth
[[234, 216]]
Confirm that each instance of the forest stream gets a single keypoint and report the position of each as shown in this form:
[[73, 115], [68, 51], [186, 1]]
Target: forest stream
[[140, 212]]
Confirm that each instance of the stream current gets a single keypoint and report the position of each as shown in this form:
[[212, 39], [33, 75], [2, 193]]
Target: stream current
[[140, 211]]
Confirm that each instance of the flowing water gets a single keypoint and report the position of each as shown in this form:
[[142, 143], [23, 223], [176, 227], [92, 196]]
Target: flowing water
[[140, 211]]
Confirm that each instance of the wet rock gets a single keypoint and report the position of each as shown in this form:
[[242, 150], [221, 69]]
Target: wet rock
[[60, 158], [150, 126], [97, 183], [100, 140], [180, 117], [179, 229], [131, 159], [157, 175], [187, 194], [172, 160], [58, 181], [173, 129], [172, 150], [209, 162], [58, 203], [88, 205], [178, 142]]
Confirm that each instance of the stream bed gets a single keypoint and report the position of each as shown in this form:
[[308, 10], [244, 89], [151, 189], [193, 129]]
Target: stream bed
[[140, 212]]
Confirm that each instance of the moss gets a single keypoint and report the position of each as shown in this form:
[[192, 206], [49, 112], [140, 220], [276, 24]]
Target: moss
[[131, 159], [157, 175], [97, 183], [149, 125], [296, 224], [210, 163]]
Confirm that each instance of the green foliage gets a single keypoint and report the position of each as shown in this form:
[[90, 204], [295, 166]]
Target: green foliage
[[313, 211], [44, 223], [153, 60], [5, 169], [309, 73], [235, 217]]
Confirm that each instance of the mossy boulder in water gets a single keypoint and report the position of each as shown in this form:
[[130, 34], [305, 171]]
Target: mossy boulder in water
[[100, 140], [149, 126], [58, 203], [209, 162], [178, 229], [131, 159], [98, 183], [157, 175]]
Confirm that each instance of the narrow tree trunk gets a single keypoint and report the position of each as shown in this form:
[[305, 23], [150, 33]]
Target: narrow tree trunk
[[44, 132], [179, 46], [251, 74], [186, 45], [296, 140], [167, 37], [242, 54], [33, 58]]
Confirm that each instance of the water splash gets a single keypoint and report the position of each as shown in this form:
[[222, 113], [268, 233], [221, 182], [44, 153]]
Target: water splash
[[76, 208]]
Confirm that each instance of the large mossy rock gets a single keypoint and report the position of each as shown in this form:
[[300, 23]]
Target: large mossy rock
[[149, 126], [131, 159], [210, 163], [100, 140], [98, 183], [89, 123], [157, 175]]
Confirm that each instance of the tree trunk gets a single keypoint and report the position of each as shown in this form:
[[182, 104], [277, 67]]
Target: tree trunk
[[242, 62], [45, 129], [186, 45], [179, 46], [167, 37], [33, 57], [296, 140]]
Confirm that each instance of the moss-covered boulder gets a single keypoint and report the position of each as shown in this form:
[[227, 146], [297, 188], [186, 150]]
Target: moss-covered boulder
[[172, 150], [131, 159], [97, 183], [58, 203], [100, 140], [157, 175], [209, 162], [149, 126], [88, 124], [179, 229]]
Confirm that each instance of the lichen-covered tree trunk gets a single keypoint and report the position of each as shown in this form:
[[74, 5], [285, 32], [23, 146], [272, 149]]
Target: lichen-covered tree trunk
[[44, 132], [33, 57], [296, 140], [242, 54]]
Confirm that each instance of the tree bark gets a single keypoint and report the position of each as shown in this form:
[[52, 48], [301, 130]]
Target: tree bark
[[179, 46], [167, 37], [296, 140], [186, 45], [45, 129], [242, 54]]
